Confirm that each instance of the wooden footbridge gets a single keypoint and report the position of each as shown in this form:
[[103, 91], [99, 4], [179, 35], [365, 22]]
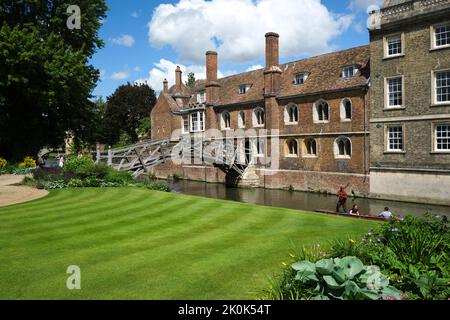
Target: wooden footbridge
[[141, 157]]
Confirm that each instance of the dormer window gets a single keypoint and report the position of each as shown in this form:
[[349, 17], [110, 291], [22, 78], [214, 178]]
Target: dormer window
[[243, 88], [349, 72], [300, 78], [201, 96]]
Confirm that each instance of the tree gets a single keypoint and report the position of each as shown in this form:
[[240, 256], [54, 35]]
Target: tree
[[126, 110], [45, 77], [191, 80]]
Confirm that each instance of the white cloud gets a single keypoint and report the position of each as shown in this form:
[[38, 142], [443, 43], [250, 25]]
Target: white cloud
[[255, 67], [236, 28], [121, 75], [165, 69], [137, 69], [124, 40], [364, 4]]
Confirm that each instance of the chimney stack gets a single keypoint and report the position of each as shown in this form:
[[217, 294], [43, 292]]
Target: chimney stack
[[178, 77], [211, 66], [165, 86], [212, 89], [272, 49]]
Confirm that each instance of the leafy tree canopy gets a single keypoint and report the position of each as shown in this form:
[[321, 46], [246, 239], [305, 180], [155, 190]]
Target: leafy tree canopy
[[127, 109], [191, 80], [45, 77]]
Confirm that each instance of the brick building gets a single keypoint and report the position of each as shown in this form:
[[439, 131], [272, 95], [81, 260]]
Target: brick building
[[319, 105], [410, 102], [392, 96]]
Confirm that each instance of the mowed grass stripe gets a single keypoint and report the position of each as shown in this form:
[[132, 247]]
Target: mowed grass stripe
[[156, 245]]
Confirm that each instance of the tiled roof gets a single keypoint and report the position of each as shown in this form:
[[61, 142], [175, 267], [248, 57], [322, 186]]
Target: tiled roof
[[324, 74]]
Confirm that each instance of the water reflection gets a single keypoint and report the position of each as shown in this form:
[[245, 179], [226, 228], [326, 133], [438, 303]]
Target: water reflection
[[300, 200]]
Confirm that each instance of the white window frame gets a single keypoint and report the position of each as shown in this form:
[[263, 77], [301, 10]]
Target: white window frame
[[242, 120], [337, 155], [200, 127], [435, 138], [303, 75], [343, 72], [287, 109], [288, 153], [316, 117], [433, 28], [201, 96], [305, 152], [434, 88], [343, 112], [259, 143], [387, 106], [388, 148], [223, 122], [245, 88], [386, 45], [185, 118], [255, 118]]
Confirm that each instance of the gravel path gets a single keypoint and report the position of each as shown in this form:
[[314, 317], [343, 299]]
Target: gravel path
[[11, 193]]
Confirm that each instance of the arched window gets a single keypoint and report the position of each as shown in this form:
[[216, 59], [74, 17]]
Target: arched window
[[292, 148], [291, 114], [346, 109], [343, 147], [226, 120], [241, 119], [310, 146], [321, 112], [258, 117]]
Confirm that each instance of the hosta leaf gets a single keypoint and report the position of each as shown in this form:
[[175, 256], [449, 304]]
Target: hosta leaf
[[332, 283], [351, 289], [352, 266], [305, 276], [304, 266], [369, 294], [339, 274], [325, 266]]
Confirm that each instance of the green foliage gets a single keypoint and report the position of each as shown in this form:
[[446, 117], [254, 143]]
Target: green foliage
[[74, 164], [46, 80], [28, 162], [75, 183], [191, 80], [120, 177], [413, 252], [145, 128], [126, 108], [3, 163], [342, 279]]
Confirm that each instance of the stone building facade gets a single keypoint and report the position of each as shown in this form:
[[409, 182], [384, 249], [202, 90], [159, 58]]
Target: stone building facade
[[366, 117], [410, 102]]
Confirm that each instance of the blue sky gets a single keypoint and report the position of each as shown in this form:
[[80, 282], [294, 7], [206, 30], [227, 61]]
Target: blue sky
[[146, 39]]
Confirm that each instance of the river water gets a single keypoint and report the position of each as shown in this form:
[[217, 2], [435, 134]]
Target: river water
[[299, 200]]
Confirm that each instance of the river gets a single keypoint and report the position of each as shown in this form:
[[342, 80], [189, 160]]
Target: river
[[300, 200]]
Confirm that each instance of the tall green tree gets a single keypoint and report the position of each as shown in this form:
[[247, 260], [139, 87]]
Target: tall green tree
[[127, 109], [46, 80]]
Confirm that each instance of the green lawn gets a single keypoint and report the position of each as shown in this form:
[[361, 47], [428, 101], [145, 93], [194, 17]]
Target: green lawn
[[133, 243]]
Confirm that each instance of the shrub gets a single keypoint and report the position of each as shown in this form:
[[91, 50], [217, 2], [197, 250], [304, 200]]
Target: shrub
[[92, 182], [157, 187], [413, 252], [72, 165], [342, 279], [3, 163], [48, 185], [98, 171], [75, 183], [120, 177], [28, 162]]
